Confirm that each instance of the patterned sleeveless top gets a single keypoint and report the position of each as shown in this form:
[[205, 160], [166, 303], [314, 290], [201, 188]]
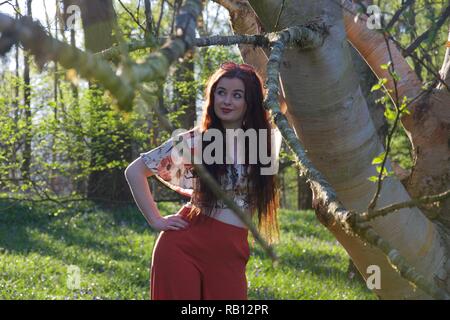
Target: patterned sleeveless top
[[177, 172]]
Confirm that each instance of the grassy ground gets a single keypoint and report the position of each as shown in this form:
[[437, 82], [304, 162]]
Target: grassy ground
[[40, 251]]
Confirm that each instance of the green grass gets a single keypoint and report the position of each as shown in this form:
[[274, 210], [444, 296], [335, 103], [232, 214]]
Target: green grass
[[112, 249]]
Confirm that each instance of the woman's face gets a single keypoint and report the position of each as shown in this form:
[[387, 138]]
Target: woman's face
[[229, 102]]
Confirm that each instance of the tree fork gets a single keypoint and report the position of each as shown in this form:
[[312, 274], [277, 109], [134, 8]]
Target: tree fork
[[325, 198]]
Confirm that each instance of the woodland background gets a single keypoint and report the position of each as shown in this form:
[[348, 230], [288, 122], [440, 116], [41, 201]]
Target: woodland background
[[64, 148]]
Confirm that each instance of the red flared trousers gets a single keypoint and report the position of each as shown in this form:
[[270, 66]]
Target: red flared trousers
[[205, 261]]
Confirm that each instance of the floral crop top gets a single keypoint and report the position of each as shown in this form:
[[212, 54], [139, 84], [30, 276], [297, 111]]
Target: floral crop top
[[177, 173]]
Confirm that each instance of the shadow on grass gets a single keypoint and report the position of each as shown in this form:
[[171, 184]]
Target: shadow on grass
[[321, 264], [303, 223], [19, 221]]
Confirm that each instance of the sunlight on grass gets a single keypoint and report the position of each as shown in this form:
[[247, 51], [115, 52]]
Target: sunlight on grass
[[112, 249]]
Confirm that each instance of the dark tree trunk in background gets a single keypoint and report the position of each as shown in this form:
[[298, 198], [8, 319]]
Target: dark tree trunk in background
[[149, 28], [185, 100], [27, 102], [16, 105], [98, 17], [304, 194]]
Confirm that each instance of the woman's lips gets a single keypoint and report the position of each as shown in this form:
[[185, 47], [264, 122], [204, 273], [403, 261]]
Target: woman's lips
[[226, 110]]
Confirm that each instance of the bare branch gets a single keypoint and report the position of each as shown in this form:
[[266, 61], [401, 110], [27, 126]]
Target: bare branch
[[398, 13], [407, 204], [413, 46], [257, 40], [158, 63], [131, 15], [158, 24]]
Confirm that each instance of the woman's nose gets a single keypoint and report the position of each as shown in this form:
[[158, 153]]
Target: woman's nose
[[227, 99]]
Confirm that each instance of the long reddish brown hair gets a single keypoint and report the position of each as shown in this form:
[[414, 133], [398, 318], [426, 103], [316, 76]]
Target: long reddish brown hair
[[262, 190]]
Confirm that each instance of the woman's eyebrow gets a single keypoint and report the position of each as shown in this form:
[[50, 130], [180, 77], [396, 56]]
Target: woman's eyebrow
[[233, 90]]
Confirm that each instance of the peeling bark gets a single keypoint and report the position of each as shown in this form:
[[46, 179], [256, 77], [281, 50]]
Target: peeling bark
[[428, 125]]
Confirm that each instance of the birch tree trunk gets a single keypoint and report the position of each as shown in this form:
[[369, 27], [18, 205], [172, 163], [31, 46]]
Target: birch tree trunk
[[326, 107]]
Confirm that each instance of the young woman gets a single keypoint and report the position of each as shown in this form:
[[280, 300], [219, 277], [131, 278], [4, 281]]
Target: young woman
[[202, 250]]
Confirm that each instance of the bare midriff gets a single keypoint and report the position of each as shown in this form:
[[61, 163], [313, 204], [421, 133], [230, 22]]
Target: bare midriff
[[228, 216], [225, 215]]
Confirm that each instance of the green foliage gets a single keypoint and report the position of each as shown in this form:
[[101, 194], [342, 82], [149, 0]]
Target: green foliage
[[413, 22], [65, 136], [73, 137], [399, 146]]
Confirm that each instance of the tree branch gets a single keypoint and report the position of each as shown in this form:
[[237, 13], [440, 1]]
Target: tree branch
[[374, 200], [325, 197], [398, 13], [366, 216], [256, 40], [34, 39], [413, 46], [158, 63], [132, 16]]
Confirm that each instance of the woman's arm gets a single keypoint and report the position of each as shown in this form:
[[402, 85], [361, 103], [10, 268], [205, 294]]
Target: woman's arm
[[136, 174]]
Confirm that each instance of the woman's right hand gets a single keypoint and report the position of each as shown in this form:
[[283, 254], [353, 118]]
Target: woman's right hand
[[171, 222]]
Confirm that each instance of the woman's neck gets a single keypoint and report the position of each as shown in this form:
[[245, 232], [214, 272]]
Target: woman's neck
[[232, 125]]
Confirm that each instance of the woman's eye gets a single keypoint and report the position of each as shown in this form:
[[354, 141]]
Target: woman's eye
[[237, 95], [220, 92]]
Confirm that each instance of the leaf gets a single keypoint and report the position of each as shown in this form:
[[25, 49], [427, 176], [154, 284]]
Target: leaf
[[385, 172], [373, 178], [395, 76], [379, 159], [385, 66], [375, 87], [405, 110], [389, 114], [378, 86]]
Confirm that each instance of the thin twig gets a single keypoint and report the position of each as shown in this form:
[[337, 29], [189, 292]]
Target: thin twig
[[398, 13], [424, 35], [407, 204], [373, 202], [279, 15], [131, 15], [158, 24]]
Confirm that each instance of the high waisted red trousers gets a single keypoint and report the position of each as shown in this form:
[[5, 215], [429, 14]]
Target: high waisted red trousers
[[205, 261]]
